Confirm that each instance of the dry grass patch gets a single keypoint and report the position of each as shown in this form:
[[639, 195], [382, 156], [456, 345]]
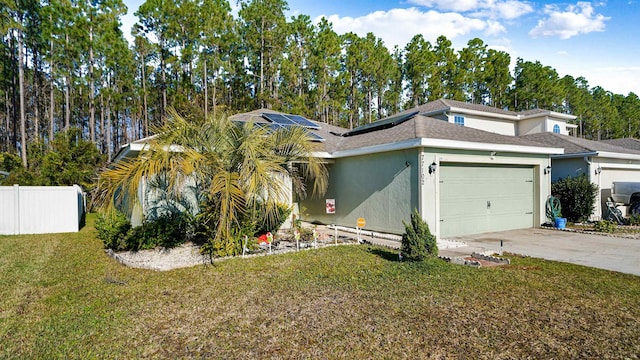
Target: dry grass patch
[[67, 299]]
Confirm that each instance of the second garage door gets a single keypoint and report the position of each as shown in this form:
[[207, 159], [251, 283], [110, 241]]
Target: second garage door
[[477, 199]]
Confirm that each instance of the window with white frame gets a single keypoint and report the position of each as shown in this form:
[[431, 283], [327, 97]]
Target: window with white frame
[[556, 129], [458, 120]]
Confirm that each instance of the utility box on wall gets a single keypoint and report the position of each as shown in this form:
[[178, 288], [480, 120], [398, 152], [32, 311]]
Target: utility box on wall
[[40, 209]]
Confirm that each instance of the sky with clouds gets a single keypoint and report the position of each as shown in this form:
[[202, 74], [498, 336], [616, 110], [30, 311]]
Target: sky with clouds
[[593, 39]]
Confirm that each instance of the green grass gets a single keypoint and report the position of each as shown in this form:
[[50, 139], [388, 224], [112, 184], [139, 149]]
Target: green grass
[[62, 297]]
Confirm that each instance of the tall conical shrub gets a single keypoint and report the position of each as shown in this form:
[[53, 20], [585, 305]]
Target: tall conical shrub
[[417, 241]]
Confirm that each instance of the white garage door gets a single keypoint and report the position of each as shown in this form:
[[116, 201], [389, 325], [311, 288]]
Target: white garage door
[[476, 199]]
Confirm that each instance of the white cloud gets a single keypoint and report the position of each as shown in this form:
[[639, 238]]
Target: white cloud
[[576, 19], [494, 28], [453, 5], [616, 79], [512, 9], [398, 26], [493, 9]]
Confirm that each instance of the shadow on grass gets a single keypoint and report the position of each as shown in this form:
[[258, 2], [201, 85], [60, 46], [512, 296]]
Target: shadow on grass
[[387, 254]]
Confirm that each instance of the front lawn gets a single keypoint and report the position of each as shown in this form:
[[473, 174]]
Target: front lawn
[[62, 297]]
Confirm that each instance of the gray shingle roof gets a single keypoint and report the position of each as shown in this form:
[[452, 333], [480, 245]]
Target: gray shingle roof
[[627, 143], [426, 127], [326, 131], [446, 104], [574, 145], [443, 105], [417, 127]]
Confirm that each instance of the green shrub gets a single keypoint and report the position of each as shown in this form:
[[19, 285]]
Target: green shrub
[[115, 231], [266, 224], [417, 241], [166, 231], [605, 226], [113, 228], [577, 195], [634, 219]]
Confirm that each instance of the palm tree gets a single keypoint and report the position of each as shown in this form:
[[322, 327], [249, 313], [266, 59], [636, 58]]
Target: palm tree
[[238, 167]]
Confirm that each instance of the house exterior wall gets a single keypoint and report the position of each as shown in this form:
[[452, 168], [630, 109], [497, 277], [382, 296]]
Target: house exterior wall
[[541, 124], [568, 167], [378, 187], [530, 126], [430, 183], [384, 190], [602, 172], [504, 127]]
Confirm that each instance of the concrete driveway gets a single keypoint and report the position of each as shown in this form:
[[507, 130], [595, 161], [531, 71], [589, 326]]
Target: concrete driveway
[[604, 252]]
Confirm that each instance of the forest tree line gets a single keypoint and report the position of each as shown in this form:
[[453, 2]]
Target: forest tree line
[[67, 64]]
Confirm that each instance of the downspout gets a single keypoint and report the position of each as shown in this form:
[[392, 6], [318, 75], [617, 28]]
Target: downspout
[[587, 160]]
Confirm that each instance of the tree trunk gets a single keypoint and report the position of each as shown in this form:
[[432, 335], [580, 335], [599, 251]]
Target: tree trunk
[[204, 83], [23, 130], [262, 62], [92, 110], [164, 82], [36, 112], [7, 115], [102, 124], [144, 100], [67, 91], [15, 107], [213, 95], [51, 96], [107, 128]]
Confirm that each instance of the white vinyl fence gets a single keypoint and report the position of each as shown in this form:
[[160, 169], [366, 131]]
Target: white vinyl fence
[[40, 209]]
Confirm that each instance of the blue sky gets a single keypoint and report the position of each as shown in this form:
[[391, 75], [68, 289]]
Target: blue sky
[[593, 39]]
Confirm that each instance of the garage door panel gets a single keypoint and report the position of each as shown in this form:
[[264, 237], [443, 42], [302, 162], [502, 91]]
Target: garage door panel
[[476, 199], [608, 176]]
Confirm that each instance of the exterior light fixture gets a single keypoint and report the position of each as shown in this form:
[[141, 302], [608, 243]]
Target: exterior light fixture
[[547, 170], [432, 167], [598, 170]]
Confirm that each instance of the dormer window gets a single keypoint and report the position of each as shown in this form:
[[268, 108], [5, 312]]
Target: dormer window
[[458, 120], [556, 129]]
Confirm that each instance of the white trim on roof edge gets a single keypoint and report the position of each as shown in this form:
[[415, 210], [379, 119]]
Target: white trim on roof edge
[[548, 113], [453, 109], [446, 144], [602, 154], [128, 148], [516, 117]]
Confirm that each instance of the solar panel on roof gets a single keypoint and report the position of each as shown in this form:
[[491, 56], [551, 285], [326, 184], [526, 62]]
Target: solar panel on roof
[[278, 119], [287, 119], [381, 124], [303, 121], [276, 126], [315, 137]]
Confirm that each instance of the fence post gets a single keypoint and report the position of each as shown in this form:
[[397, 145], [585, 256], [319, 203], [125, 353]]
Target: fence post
[[16, 209]]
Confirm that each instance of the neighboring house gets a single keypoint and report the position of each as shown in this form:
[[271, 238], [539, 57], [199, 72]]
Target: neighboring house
[[497, 120], [464, 167], [627, 143], [602, 162]]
